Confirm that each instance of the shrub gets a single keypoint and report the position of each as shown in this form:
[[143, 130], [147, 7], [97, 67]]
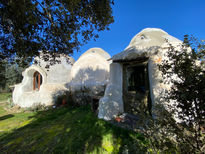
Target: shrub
[[66, 98]]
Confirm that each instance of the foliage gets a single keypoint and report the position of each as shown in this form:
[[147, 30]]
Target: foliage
[[65, 130], [65, 98], [82, 96], [4, 96], [57, 26], [11, 73], [161, 132], [185, 68], [37, 107], [85, 96]]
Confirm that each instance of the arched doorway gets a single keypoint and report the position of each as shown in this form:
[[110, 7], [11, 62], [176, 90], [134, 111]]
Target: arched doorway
[[37, 80]]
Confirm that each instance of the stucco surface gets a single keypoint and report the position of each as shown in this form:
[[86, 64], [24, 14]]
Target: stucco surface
[[97, 50], [112, 104], [150, 43], [59, 72], [91, 71], [53, 83], [94, 70], [146, 43], [45, 96]]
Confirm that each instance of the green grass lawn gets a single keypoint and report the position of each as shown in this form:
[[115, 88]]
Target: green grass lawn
[[64, 130], [4, 96]]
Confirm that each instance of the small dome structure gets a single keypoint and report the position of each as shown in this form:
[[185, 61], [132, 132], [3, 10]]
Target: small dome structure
[[40, 85], [91, 69]]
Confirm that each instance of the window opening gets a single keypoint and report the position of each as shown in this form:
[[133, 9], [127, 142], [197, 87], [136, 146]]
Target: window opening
[[37, 81]]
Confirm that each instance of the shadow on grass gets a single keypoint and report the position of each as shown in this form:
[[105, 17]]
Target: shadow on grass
[[70, 130], [6, 117]]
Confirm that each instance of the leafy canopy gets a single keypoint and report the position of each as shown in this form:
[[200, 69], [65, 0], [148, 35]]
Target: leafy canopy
[[188, 88], [57, 26]]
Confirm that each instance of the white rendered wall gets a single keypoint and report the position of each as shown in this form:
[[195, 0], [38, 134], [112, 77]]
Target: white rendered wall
[[112, 102], [53, 84], [57, 73], [90, 71], [151, 43]]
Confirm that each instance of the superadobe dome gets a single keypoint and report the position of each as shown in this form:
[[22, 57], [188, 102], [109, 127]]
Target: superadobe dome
[[95, 51], [91, 68], [146, 42]]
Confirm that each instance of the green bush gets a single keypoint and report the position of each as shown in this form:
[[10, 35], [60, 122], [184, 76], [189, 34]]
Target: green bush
[[64, 99]]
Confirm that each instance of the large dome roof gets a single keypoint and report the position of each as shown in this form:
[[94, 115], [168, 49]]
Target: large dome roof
[[98, 51], [91, 67], [152, 37], [145, 42]]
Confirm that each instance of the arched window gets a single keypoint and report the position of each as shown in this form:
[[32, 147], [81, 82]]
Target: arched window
[[37, 81]]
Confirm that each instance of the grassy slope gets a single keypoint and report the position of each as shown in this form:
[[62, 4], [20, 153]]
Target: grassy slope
[[9, 120], [4, 96], [65, 130]]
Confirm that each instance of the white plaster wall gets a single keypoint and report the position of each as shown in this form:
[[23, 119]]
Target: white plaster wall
[[112, 102], [98, 51], [155, 80], [90, 71], [45, 96], [53, 83], [145, 43], [57, 73], [151, 43], [27, 83]]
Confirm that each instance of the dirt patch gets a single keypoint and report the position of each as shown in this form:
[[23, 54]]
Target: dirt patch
[[9, 109]]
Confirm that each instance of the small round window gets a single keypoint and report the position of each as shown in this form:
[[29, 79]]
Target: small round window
[[142, 37]]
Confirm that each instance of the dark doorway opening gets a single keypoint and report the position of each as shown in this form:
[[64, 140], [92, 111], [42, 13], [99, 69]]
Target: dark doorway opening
[[136, 94], [37, 81]]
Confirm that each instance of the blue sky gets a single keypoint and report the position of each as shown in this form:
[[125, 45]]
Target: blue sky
[[177, 17]]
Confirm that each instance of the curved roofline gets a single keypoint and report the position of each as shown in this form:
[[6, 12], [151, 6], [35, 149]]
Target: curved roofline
[[167, 36], [134, 50], [98, 51], [152, 29], [40, 70]]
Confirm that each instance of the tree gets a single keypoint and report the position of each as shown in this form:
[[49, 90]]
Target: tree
[[188, 91], [2, 75], [57, 26], [10, 74]]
